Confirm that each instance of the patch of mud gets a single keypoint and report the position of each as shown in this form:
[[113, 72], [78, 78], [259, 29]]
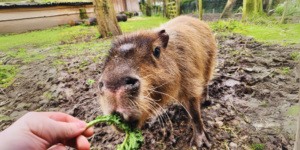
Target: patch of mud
[[32, 90], [247, 75]]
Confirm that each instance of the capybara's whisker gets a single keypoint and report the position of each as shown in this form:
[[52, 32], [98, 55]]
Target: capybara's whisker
[[175, 100], [163, 110]]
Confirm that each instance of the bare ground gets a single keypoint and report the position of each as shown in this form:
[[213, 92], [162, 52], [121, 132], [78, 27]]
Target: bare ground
[[249, 94]]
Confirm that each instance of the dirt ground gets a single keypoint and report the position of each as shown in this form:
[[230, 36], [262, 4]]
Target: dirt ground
[[249, 93]]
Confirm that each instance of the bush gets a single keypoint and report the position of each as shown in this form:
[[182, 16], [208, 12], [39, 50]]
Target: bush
[[292, 10]]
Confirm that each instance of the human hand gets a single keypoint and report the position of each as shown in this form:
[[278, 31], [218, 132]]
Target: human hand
[[41, 130]]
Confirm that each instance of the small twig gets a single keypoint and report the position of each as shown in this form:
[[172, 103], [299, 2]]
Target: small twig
[[4, 94], [237, 69], [233, 105], [225, 143]]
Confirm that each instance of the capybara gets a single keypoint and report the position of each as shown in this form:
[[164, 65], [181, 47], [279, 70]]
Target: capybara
[[146, 70]]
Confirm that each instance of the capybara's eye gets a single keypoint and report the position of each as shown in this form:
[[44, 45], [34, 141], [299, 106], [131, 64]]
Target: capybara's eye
[[156, 52], [100, 85]]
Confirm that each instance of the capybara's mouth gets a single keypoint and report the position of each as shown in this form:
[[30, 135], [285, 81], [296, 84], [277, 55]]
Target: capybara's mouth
[[133, 124]]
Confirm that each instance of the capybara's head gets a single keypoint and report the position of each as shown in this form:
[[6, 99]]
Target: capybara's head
[[136, 74]]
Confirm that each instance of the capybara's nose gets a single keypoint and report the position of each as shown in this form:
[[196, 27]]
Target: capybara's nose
[[132, 85]]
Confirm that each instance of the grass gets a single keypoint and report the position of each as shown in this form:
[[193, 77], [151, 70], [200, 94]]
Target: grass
[[285, 70], [295, 56], [145, 23], [293, 111], [284, 34], [257, 146], [7, 74], [90, 81], [45, 38], [3, 117]]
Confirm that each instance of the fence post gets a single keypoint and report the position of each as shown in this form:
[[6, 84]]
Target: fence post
[[297, 142], [213, 11]]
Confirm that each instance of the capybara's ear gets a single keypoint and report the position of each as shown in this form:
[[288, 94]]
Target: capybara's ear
[[164, 37]]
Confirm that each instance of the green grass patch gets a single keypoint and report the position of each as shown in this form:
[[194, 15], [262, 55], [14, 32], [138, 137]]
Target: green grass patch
[[7, 74], [257, 147], [293, 111], [143, 23], [80, 49], [284, 34], [26, 56], [3, 117], [295, 56], [45, 38], [285, 70]]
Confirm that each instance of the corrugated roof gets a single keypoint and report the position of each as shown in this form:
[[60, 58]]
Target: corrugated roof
[[26, 5]]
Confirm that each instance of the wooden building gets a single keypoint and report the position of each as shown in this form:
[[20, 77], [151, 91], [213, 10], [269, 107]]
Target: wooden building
[[23, 17], [126, 5]]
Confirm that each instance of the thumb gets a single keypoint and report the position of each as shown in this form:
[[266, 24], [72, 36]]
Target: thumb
[[66, 131]]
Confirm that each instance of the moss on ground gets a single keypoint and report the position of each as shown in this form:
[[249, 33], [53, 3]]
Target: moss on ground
[[7, 74], [293, 111]]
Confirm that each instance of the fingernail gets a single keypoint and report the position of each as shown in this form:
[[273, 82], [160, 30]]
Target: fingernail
[[81, 124]]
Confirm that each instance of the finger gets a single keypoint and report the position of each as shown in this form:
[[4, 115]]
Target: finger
[[58, 116], [88, 132], [59, 146], [80, 143], [65, 131]]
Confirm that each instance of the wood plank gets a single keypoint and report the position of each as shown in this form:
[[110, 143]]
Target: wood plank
[[5, 16], [45, 8]]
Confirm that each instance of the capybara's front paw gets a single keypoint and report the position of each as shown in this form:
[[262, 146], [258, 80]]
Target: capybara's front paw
[[200, 139]]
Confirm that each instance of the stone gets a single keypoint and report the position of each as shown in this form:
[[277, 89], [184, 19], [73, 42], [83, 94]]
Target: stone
[[53, 109], [210, 123], [232, 145], [234, 122], [219, 119], [218, 124], [53, 88], [44, 101], [20, 106], [256, 140], [17, 114]]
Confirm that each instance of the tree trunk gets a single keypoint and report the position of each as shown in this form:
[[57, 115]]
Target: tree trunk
[[200, 9], [284, 12], [106, 18], [164, 8], [297, 142], [269, 6], [251, 7], [258, 8], [197, 8], [83, 14], [148, 8], [228, 9], [177, 8]]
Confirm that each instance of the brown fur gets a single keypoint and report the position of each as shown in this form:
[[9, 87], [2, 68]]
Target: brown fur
[[181, 72]]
